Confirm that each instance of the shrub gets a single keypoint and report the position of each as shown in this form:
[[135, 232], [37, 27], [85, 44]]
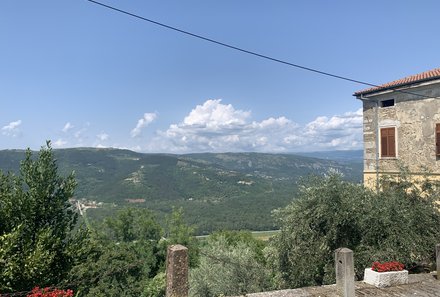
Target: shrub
[[228, 266], [398, 223]]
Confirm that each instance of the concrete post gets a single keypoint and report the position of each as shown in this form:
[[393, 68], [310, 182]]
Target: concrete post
[[344, 272], [177, 271], [437, 253]]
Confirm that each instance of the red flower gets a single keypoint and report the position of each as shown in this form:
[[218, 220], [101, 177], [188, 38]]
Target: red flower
[[387, 266], [49, 292]]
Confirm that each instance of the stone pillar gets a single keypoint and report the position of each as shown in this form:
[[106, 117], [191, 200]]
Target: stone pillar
[[177, 271], [344, 272], [437, 252]]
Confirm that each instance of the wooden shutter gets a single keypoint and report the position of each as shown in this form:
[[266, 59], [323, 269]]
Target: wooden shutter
[[388, 142], [437, 139], [384, 142], [391, 142]]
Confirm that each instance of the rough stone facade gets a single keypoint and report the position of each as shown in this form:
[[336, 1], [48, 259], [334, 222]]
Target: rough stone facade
[[414, 119]]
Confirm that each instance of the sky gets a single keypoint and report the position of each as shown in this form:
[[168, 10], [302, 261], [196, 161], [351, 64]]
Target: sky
[[82, 75]]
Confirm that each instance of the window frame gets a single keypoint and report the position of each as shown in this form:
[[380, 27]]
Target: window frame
[[387, 103], [388, 142]]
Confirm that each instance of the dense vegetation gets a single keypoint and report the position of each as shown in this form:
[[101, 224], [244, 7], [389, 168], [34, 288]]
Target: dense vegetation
[[400, 223], [41, 243], [216, 191], [231, 263], [126, 255], [37, 236]]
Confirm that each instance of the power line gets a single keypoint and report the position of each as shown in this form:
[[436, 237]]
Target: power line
[[252, 52], [231, 46]]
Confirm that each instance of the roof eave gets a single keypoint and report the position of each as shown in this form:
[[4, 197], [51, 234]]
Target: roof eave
[[390, 89]]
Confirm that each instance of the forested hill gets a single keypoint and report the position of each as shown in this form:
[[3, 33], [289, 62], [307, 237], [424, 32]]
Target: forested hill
[[217, 191], [284, 166]]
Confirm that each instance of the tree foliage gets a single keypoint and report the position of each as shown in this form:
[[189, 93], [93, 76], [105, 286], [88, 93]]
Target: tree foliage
[[230, 264], [127, 253], [399, 223], [122, 255], [37, 224], [178, 232]]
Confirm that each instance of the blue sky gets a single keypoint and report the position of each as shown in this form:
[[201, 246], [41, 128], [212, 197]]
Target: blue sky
[[82, 75]]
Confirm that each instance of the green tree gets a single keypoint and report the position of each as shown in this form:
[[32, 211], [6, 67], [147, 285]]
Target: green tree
[[37, 224], [399, 223], [235, 237], [178, 232], [156, 287], [133, 224], [125, 255], [230, 264], [122, 257]]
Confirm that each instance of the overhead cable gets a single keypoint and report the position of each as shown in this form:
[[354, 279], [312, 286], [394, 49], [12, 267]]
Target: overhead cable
[[252, 52]]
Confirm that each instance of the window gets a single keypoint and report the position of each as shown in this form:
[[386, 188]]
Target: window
[[387, 103], [437, 140], [388, 142]]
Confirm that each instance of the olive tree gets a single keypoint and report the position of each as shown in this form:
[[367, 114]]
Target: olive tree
[[399, 223], [231, 264]]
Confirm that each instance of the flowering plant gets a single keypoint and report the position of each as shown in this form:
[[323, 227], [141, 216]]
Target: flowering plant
[[49, 292], [387, 266]]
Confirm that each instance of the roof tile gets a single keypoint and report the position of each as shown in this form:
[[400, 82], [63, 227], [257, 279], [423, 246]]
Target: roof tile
[[424, 76]]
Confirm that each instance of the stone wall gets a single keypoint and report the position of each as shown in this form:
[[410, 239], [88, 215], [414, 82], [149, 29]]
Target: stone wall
[[414, 119]]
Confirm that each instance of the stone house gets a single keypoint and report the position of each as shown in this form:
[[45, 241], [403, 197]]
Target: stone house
[[402, 127]]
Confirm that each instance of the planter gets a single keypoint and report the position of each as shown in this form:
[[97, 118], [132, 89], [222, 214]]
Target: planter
[[385, 279]]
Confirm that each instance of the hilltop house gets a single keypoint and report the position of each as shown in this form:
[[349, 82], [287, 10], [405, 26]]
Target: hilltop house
[[402, 126]]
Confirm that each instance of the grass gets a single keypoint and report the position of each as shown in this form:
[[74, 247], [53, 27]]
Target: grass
[[264, 235], [261, 235]]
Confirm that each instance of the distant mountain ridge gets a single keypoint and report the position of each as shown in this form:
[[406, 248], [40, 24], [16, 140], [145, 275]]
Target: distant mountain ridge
[[217, 190], [355, 156]]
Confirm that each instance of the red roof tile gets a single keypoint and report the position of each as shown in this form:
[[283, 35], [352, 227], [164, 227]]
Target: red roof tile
[[424, 76]]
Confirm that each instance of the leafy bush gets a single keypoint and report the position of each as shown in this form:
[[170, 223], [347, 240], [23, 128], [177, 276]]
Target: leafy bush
[[121, 258], [126, 255], [399, 223], [229, 265], [156, 287]]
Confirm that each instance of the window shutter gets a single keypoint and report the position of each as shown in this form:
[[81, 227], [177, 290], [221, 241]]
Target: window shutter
[[391, 142], [383, 143], [437, 139], [388, 142]]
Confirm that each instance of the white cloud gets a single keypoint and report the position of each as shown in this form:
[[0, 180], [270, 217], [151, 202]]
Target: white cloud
[[12, 129], [142, 123], [214, 126], [338, 132], [68, 126], [103, 136], [214, 115], [136, 148], [60, 143]]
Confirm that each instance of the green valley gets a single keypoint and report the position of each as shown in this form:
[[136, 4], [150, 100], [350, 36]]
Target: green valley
[[216, 190]]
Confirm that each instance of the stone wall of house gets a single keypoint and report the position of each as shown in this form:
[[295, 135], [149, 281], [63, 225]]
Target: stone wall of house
[[415, 119]]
